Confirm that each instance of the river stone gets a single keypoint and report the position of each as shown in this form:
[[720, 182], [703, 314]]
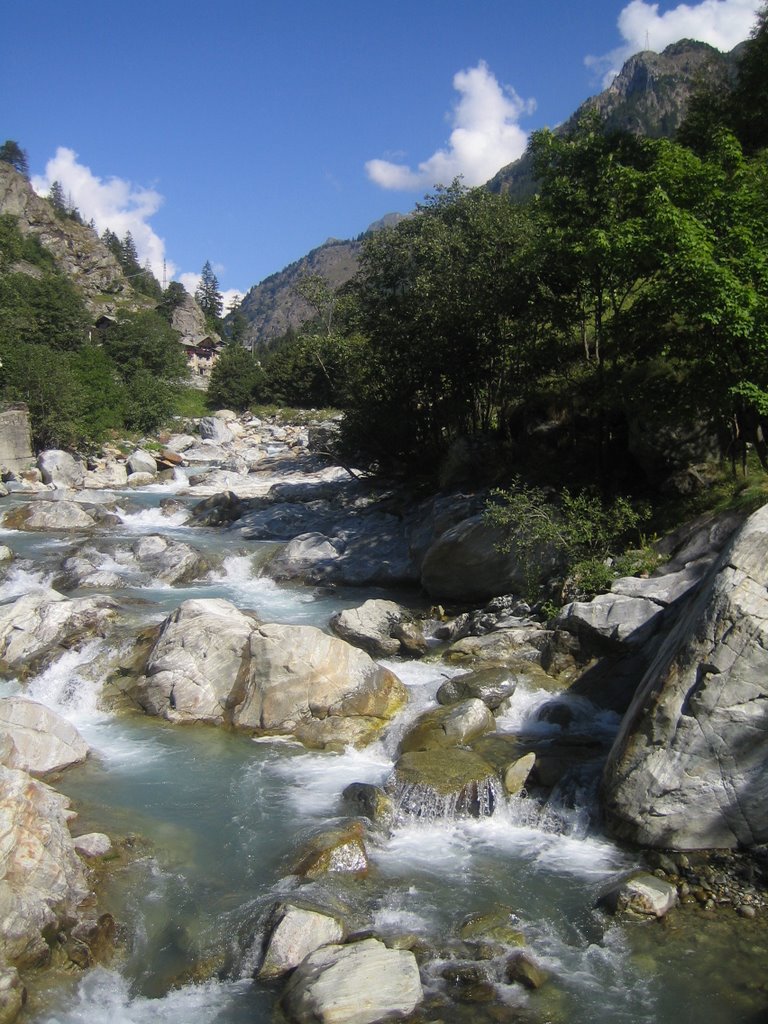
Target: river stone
[[491, 685], [452, 726], [44, 741], [517, 773], [42, 879], [522, 968], [296, 932], [168, 561], [497, 925], [310, 556], [93, 844], [436, 783], [641, 895], [338, 850], [369, 801], [613, 618], [370, 627], [60, 469], [181, 442], [199, 660], [141, 479], [49, 515], [465, 564], [214, 429], [141, 461], [43, 619], [6, 555], [108, 476], [359, 983], [689, 767], [13, 994], [300, 677]]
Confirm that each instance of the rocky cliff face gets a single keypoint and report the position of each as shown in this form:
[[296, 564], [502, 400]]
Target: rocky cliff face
[[649, 97], [689, 768], [78, 251]]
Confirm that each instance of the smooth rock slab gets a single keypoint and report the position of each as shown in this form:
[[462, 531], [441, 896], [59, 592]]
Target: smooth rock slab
[[689, 768], [42, 619], [49, 515], [360, 983], [60, 469], [44, 741]]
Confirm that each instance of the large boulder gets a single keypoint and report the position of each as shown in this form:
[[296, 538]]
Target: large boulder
[[689, 768], [466, 564], [452, 726], [212, 428], [107, 476], [359, 983], [316, 687], [42, 879], [295, 932], [443, 782], [42, 620], [49, 516], [370, 626], [43, 741], [199, 660], [142, 461], [60, 469]]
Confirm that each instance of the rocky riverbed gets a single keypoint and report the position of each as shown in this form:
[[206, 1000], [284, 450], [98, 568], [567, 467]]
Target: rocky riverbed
[[228, 614]]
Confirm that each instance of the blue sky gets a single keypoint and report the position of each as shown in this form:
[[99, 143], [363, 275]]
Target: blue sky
[[246, 133]]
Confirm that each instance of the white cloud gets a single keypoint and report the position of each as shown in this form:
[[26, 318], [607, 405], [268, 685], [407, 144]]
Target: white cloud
[[485, 137], [721, 23], [112, 203], [190, 282]]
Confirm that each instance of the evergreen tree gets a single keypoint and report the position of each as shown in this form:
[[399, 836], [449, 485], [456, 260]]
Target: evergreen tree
[[12, 153], [208, 294], [56, 198]]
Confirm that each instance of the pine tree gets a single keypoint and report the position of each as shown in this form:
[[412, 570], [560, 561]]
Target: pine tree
[[56, 198], [12, 153], [208, 295]]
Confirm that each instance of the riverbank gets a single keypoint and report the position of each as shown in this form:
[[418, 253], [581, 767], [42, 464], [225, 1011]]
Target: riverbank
[[463, 830]]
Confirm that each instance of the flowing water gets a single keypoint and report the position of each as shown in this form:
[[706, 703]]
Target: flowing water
[[211, 820]]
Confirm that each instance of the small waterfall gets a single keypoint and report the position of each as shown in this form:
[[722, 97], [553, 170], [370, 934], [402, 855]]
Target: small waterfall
[[67, 687], [421, 801]]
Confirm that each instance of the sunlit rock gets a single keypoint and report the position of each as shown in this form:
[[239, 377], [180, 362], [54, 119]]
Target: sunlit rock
[[295, 932], [451, 726], [44, 741], [641, 895], [359, 983]]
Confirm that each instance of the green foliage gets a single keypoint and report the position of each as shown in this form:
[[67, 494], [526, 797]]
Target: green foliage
[[42, 377], [12, 153], [579, 532], [173, 297], [145, 341], [235, 379], [190, 403], [45, 310], [209, 297]]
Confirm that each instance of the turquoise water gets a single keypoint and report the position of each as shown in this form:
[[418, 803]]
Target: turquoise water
[[208, 821]]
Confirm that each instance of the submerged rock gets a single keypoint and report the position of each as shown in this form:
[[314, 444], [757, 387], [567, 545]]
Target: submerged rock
[[360, 983], [443, 783], [336, 850]]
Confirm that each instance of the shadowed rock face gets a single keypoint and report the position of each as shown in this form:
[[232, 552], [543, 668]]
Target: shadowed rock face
[[689, 768]]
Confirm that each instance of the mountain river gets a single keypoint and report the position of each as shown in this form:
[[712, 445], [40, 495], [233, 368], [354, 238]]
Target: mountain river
[[211, 819]]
